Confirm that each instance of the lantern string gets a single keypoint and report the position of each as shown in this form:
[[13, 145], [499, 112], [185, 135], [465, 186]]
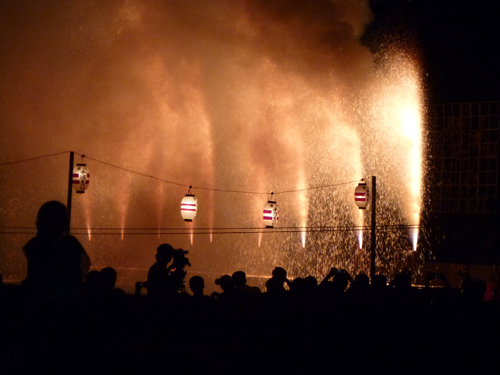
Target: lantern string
[[138, 173], [316, 187], [180, 184], [220, 190], [34, 158]]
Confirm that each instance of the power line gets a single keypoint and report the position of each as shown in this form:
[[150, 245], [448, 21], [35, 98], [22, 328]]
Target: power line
[[354, 227], [208, 231], [34, 158]]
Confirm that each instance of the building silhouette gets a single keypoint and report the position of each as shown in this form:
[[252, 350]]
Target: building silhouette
[[464, 141]]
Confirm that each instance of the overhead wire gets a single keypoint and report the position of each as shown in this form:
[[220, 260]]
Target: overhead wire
[[217, 189], [177, 183], [34, 158], [204, 231]]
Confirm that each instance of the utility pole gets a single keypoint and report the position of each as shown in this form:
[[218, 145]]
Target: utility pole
[[373, 228], [70, 186]]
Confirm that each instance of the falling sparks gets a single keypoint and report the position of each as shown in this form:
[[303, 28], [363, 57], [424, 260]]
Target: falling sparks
[[360, 239], [228, 107], [414, 238]]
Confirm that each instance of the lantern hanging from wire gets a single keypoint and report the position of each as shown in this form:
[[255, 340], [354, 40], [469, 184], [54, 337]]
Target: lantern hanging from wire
[[189, 206], [81, 178], [271, 213], [361, 195]]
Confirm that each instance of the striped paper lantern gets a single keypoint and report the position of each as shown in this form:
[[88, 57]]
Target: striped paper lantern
[[361, 195], [271, 214], [81, 178], [189, 206]]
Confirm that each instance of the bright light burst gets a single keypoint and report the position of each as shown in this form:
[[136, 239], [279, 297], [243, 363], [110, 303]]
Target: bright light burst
[[245, 100]]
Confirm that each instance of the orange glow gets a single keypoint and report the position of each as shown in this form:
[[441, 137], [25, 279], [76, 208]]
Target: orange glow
[[221, 97]]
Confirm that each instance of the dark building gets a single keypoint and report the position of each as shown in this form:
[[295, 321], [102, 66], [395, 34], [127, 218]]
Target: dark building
[[464, 171]]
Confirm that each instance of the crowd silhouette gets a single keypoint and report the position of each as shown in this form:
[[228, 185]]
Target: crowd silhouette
[[67, 319]]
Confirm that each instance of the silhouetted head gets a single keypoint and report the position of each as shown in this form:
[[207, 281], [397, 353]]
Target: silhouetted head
[[197, 284], [108, 275], [362, 281], [52, 219], [297, 284], [164, 253], [93, 281], [239, 278], [279, 273], [311, 282], [225, 282]]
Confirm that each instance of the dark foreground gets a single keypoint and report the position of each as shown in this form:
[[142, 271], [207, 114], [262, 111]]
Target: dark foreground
[[311, 329]]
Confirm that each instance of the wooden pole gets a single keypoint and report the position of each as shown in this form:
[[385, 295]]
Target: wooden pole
[[373, 228], [70, 186]]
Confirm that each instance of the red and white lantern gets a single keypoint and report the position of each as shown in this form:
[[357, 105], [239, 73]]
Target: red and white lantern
[[271, 214], [81, 178], [189, 207], [361, 195]]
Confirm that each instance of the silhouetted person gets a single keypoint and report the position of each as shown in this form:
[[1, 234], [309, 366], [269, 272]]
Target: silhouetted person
[[197, 286], [158, 284], [55, 328], [339, 283], [200, 304], [240, 283], [276, 300], [276, 283], [57, 262], [93, 284], [178, 272], [227, 285], [401, 282], [360, 288], [108, 278], [358, 296], [379, 283]]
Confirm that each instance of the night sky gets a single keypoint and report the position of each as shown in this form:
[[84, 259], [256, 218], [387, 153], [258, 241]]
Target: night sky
[[457, 41]]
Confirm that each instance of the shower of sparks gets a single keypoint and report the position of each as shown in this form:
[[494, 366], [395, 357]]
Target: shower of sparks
[[414, 239], [249, 99]]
